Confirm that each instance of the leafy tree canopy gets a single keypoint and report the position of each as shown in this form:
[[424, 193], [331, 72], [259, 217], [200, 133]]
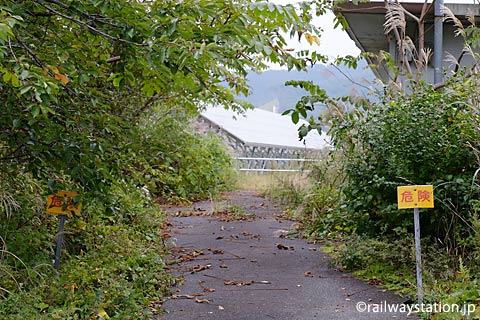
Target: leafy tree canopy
[[75, 75]]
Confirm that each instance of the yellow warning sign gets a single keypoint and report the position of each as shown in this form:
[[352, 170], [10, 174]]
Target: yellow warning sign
[[64, 202], [420, 196]]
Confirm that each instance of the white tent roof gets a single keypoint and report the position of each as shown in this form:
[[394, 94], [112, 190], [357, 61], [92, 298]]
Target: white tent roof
[[264, 128]]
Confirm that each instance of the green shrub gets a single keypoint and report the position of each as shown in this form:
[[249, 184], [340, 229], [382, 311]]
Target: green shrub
[[174, 162], [108, 265], [422, 138], [112, 257]]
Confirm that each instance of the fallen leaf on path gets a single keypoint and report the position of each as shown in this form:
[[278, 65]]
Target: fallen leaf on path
[[183, 296], [237, 283], [208, 289], [216, 251], [178, 250], [199, 268], [201, 300], [284, 247], [251, 235], [312, 249], [308, 274], [221, 308], [189, 256], [223, 266], [184, 214], [197, 253]]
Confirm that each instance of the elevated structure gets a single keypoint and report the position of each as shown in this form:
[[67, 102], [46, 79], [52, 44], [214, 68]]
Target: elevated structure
[[262, 140], [366, 28]]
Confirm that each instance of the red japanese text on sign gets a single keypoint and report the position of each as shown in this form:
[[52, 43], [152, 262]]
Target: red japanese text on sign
[[419, 196], [63, 202]]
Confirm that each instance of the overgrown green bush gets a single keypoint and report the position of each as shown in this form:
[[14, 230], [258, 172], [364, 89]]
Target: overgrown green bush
[[426, 137], [112, 258], [318, 207], [109, 266], [176, 162], [288, 190]]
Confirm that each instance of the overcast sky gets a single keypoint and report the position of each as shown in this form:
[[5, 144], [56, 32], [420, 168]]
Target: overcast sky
[[333, 42], [336, 42]]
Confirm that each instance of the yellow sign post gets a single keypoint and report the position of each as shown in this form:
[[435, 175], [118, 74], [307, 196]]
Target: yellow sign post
[[63, 203], [411, 197], [416, 197]]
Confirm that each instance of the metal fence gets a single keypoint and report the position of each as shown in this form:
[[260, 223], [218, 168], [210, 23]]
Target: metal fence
[[252, 164]]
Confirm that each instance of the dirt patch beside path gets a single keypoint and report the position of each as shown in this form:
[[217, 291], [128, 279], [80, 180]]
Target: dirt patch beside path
[[239, 262]]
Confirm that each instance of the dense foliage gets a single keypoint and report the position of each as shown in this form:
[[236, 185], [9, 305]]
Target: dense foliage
[[77, 74], [426, 137], [176, 163], [96, 98], [112, 265], [407, 133]]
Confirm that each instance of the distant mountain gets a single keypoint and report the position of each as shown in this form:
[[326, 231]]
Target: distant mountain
[[269, 91]]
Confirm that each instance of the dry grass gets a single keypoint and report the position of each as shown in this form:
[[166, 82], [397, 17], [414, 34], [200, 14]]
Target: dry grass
[[265, 182]]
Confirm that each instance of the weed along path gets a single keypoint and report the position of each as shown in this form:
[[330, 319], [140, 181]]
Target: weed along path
[[238, 262]]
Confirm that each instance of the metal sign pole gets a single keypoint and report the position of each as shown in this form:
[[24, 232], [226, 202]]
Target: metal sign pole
[[62, 203], [418, 253], [58, 253], [416, 197]]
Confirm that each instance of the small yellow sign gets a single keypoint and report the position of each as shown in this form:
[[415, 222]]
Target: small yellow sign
[[415, 197], [63, 202]]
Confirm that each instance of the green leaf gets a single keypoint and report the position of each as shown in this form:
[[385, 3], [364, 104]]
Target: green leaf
[[38, 96], [35, 111], [303, 112], [117, 81], [14, 80], [5, 31], [25, 90], [42, 306], [6, 77], [131, 33], [303, 131], [295, 117]]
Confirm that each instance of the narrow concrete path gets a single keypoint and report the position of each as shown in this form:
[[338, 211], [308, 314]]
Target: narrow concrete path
[[238, 262]]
